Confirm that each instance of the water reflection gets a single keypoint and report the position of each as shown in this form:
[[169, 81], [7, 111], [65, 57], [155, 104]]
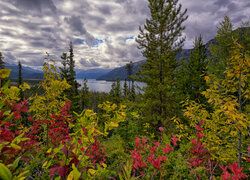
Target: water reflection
[[104, 86]]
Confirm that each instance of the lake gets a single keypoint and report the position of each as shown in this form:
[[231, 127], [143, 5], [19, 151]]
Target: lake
[[104, 86]]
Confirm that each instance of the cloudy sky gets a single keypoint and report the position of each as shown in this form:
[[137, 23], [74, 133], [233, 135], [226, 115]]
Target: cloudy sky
[[103, 32]]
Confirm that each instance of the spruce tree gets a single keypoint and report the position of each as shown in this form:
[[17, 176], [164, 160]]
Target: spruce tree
[[85, 95], [65, 68], [118, 92], [20, 80], [129, 68], [69, 74], [222, 48], [125, 89], [115, 92], [192, 72], [132, 92], [2, 66], [160, 40]]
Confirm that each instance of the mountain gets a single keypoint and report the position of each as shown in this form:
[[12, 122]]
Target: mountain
[[30, 73], [120, 72], [27, 72], [91, 73]]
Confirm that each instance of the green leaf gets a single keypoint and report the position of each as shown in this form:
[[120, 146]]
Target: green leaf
[[15, 146], [5, 173]]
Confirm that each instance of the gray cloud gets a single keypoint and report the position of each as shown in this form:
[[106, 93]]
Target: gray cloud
[[76, 24], [89, 63], [106, 10], [35, 6]]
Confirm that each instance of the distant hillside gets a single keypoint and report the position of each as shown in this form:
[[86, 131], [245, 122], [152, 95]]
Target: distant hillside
[[91, 73], [120, 72], [27, 72], [30, 73]]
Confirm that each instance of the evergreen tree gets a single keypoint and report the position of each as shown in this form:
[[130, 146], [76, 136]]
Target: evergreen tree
[[65, 69], [222, 48], [20, 80], [2, 66], [129, 68], [193, 70], [115, 92], [118, 92], [132, 92], [85, 95], [112, 92], [72, 72], [125, 89], [160, 39], [69, 74]]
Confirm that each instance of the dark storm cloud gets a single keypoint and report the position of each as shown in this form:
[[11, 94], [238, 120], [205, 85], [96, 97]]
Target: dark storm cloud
[[106, 10], [97, 19], [222, 2], [89, 63], [76, 24], [122, 27], [35, 5]]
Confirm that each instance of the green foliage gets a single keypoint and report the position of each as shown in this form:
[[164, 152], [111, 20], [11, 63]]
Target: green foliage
[[125, 90], [221, 50], [85, 95], [116, 153], [192, 72], [68, 73], [116, 92], [2, 66], [160, 39], [20, 79], [64, 69]]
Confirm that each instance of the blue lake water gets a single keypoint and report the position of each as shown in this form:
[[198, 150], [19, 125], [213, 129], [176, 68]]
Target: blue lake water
[[105, 86]]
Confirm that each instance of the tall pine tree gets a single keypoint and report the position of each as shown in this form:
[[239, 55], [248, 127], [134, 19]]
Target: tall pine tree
[[20, 80], [192, 72], [85, 95], [222, 48], [65, 69], [161, 40], [2, 66], [68, 72], [129, 68]]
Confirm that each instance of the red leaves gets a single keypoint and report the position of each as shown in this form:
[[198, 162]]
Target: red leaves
[[199, 128], [60, 170], [148, 155], [168, 149], [144, 140], [194, 141], [161, 129], [174, 139], [200, 135], [237, 174]]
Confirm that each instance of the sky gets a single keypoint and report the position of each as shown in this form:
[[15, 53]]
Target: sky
[[103, 32]]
